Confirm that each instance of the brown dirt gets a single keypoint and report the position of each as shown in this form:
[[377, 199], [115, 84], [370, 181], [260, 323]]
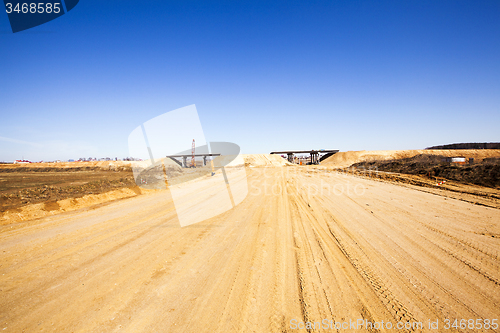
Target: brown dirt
[[31, 212], [346, 159], [31, 190], [23, 186], [480, 195], [307, 244], [484, 173]]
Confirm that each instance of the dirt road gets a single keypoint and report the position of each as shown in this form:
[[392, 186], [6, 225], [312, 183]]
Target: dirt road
[[305, 245]]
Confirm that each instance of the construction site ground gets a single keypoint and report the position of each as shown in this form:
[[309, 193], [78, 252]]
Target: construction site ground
[[308, 244]]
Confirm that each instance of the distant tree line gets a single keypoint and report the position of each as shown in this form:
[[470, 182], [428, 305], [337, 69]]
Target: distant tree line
[[470, 145]]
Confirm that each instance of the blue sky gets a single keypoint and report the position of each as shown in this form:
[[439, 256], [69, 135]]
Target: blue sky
[[266, 75]]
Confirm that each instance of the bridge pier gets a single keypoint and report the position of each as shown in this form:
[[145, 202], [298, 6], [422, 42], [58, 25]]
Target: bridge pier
[[314, 154]]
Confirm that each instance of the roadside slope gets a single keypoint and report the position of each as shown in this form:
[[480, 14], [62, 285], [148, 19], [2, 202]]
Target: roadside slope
[[348, 158]]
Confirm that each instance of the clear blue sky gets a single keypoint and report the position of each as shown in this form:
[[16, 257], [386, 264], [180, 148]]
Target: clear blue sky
[[266, 75]]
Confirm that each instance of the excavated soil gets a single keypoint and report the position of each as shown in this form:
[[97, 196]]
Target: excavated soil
[[30, 185], [307, 245], [346, 159], [484, 173], [33, 190]]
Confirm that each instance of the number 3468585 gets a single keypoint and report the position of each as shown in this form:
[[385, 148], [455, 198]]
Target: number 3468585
[[33, 8]]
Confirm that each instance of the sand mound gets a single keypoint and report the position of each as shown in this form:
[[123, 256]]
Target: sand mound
[[43, 209], [170, 166], [265, 160], [346, 159]]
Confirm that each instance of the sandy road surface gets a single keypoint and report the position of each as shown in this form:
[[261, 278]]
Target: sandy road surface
[[302, 246]]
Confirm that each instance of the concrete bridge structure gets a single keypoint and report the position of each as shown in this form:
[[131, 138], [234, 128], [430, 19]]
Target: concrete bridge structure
[[315, 154]]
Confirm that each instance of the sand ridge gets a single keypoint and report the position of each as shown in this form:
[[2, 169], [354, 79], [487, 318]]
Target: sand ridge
[[348, 158]]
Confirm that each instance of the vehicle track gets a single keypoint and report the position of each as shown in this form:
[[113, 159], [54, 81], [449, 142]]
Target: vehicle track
[[293, 251]]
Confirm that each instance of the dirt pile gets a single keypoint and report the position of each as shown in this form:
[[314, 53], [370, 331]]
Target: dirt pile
[[52, 193], [42, 209], [153, 175], [265, 160], [29, 191], [484, 173], [26, 184], [346, 159]]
